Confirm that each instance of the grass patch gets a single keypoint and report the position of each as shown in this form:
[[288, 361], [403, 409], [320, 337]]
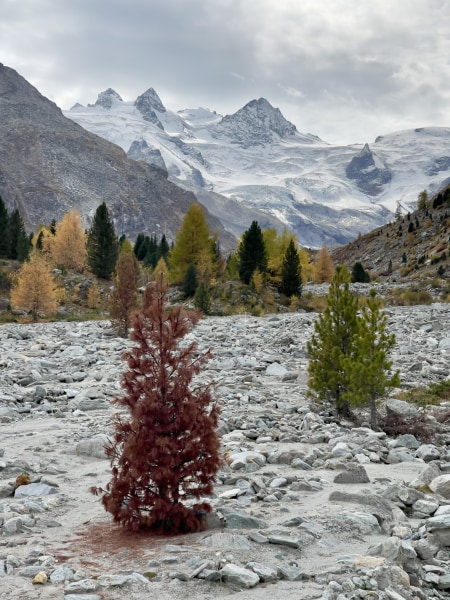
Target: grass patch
[[7, 317], [434, 394], [80, 316], [410, 297]]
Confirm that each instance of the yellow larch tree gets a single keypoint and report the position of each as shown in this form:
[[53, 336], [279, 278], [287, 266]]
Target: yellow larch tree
[[94, 297], [276, 246], [323, 267], [193, 243], [207, 268], [34, 289], [257, 281], [307, 267], [161, 271], [126, 246], [42, 239], [67, 247]]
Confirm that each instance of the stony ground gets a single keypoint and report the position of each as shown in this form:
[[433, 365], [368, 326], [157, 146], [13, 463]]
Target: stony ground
[[304, 506]]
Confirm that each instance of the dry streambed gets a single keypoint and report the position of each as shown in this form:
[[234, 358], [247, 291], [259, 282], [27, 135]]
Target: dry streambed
[[302, 506]]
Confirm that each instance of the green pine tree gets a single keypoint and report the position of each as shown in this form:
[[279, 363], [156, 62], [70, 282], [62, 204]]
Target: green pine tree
[[139, 247], [151, 251], [218, 263], [102, 244], [39, 240], [202, 299], [359, 274], [4, 230], [368, 368], [190, 281], [163, 247], [19, 243], [291, 279], [332, 341], [252, 253], [422, 200]]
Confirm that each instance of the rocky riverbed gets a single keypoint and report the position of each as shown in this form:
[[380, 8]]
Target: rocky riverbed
[[303, 506]]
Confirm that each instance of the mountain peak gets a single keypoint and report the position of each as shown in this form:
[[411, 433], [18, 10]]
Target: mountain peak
[[257, 123], [107, 98], [261, 104], [370, 173], [151, 99], [147, 103], [366, 151]]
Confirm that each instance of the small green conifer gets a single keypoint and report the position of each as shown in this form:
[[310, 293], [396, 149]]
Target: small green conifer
[[368, 367], [332, 341]]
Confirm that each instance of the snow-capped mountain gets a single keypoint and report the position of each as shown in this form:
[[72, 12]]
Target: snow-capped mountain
[[325, 193]]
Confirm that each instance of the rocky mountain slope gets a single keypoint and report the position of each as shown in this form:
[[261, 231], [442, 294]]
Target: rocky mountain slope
[[326, 194], [414, 245], [50, 165]]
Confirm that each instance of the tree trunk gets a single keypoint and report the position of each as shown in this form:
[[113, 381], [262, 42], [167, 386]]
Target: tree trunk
[[342, 406], [373, 414]]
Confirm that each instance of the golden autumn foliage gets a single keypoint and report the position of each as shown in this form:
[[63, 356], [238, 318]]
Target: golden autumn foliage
[[193, 244], [257, 281], [126, 246], [124, 296], [161, 270], [34, 289], [67, 248], [307, 268], [276, 246], [94, 297], [206, 269], [323, 267]]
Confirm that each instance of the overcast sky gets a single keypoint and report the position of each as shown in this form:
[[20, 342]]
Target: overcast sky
[[345, 70]]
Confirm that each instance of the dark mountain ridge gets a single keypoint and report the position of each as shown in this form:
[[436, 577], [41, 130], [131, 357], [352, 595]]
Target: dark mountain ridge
[[50, 165]]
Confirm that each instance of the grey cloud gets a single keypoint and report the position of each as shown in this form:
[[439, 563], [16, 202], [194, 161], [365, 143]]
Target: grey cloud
[[372, 65]]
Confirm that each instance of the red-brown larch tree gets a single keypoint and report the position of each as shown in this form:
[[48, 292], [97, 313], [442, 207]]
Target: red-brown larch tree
[[124, 297], [166, 451]]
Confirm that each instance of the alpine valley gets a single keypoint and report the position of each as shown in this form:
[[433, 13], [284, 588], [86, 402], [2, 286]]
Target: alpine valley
[[149, 164]]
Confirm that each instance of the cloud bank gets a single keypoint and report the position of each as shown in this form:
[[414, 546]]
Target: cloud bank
[[344, 70]]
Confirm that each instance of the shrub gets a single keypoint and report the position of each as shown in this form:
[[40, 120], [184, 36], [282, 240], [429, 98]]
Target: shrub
[[5, 282], [315, 303], [396, 425], [294, 304], [93, 296]]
